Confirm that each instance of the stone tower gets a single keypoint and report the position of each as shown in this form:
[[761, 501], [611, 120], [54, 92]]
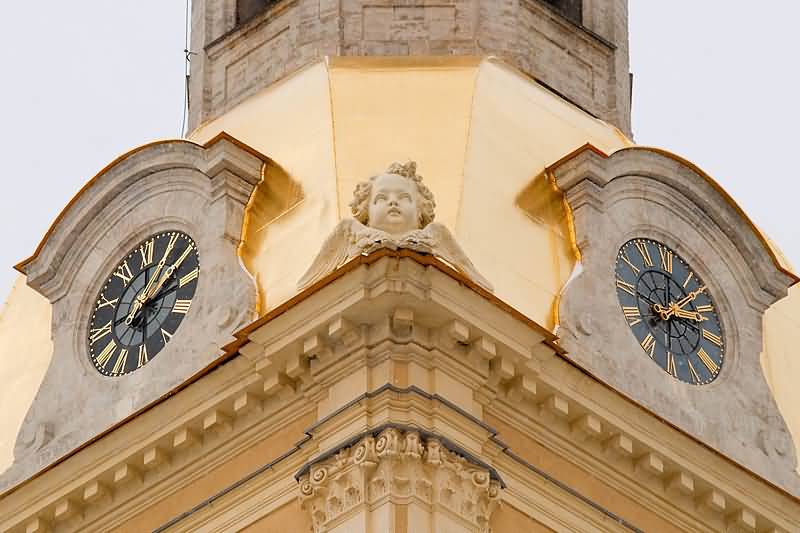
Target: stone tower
[[577, 48]]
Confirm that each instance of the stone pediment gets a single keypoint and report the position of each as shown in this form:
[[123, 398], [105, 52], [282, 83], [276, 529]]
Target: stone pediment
[[178, 186], [638, 195]]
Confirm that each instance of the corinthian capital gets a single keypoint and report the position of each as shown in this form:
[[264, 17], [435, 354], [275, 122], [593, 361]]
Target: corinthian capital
[[398, 466]]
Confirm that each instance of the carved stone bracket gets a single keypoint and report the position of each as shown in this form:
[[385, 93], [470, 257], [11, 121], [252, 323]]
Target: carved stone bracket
[[398, 466]]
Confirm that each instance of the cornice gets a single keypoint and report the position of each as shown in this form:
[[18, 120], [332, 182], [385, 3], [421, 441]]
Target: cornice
[[226, 408]]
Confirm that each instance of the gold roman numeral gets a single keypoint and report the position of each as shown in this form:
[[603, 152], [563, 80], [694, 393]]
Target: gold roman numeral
[[189, 277], [183, 256], [143, 354], [666, 259], [707, 361], [649, 344], [181, 306], [103, 301], [712, 338], [147, 253], [705, 308], [123, 272], [693, 372], [644, 252], [165, 335], [671, 365], [95, 334], [119, 365], [107, 352], [627, 287], [688, 279], [628, 261], [632, 315]]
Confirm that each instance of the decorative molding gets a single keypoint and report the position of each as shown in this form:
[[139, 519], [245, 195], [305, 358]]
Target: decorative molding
[[398, 465], [357, 329]]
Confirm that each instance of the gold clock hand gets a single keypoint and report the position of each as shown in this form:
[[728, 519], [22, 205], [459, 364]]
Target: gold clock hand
[[169, 271], [689, 297], [148, 291], [663, 312], [692, 315], [145, 295], [676, 308]]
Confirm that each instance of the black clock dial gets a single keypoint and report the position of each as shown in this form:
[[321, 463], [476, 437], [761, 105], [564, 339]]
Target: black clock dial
[[670, 311], [142, 303]]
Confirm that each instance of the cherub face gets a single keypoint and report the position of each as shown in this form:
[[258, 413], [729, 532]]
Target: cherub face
[[393, 204]]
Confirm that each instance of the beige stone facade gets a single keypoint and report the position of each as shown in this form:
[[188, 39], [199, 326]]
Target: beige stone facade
[[585, 61], [402, 388]]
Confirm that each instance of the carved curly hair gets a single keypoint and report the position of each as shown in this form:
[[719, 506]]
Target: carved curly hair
[[425, 203]]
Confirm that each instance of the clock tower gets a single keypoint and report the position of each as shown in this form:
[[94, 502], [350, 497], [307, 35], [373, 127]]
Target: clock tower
[[407, 273], [576, 48]]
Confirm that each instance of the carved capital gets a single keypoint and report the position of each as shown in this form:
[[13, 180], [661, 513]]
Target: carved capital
[[398, 466]]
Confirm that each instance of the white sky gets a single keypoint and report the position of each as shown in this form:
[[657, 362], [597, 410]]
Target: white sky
[[716, 82]]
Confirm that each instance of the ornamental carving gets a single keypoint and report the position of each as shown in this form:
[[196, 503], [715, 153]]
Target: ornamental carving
[[391, 210], [398, 465]]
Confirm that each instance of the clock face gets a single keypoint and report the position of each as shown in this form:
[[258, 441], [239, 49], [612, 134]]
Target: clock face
[[670, 311], [143, 302]]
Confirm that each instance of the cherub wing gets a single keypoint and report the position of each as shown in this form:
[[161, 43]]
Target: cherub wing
[[446, 247], [335, 252]]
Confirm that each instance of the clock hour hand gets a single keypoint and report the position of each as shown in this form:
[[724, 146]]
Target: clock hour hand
[[691, 315]]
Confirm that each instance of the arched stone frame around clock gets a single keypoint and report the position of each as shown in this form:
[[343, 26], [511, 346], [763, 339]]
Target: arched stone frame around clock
[[720, 298], [647, 193], [180, 185], [79, 331]]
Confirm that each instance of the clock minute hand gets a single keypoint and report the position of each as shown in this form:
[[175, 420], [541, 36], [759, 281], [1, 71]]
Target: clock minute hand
[[172, 268], [692, 315], [145, 295], [149, 291], [689, 297]]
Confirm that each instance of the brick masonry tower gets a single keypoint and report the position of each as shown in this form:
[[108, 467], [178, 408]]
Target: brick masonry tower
[[579, 49]]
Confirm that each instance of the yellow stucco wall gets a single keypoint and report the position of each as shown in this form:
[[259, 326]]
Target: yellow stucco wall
[[780, 360], [25, 352], [473, 126]]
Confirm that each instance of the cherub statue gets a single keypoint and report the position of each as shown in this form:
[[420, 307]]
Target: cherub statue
[[392, 210]]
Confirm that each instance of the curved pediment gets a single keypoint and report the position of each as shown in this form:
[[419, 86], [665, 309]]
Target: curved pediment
[[644, 195], [221, 154], [701, 190], [166, 188]]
